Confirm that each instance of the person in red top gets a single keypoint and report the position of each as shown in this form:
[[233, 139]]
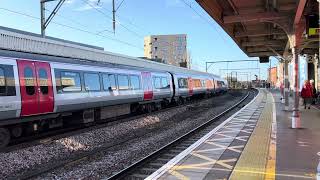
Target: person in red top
[[307, 94]]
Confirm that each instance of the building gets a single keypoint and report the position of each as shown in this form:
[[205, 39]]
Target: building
[[172, 49], [280, 73], [273, 78]]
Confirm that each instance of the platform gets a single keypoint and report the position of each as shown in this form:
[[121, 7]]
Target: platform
[[255, 143]]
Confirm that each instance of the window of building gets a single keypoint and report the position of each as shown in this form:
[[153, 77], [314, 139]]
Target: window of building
[[155, 48], [29, 81], [123, 82], [135, 82], [157, 82], [156, 57], [2, 82], [43, 81], [91, 82], [155, 39], [70, 81], [165, 83]]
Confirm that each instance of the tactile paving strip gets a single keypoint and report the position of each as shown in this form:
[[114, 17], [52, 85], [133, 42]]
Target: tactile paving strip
[[216, 157]]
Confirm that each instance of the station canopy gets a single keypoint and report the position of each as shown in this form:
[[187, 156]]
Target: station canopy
[[261, 27]]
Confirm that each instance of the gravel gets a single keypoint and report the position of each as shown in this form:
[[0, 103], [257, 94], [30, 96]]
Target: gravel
[[151, 132], [23, 159]]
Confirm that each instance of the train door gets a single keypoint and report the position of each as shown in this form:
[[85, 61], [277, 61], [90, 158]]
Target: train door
[[44, 82], [147, 85], [36, 87]]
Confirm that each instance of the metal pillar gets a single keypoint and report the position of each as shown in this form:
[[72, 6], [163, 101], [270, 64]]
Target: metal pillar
[[43, 18], [113, 17], [270, 72], [45, 22], [316, 62], [286, 86], [296, 121]]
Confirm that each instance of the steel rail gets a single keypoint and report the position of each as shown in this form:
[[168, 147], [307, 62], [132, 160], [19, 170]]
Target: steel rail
[[39, 170], [127, 171], [51, 135]]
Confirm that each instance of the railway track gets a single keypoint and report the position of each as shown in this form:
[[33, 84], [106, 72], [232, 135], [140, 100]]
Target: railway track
[[77, 157], [154, 161], [47, 137]]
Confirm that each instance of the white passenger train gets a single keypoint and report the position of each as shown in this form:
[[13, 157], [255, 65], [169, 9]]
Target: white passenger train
[[40, 91]]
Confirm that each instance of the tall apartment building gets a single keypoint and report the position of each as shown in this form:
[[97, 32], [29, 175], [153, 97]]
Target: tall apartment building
[[170, 49]]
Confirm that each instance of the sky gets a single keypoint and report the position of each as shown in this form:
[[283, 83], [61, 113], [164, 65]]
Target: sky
[[88, 22]]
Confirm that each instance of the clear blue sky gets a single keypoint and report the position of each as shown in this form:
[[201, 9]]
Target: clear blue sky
[[138, 18]]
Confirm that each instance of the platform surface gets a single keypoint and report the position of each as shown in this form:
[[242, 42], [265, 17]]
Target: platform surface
[[255, 143], [297, 149]]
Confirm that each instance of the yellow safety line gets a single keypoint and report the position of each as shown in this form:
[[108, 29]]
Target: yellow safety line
[[179, 175], [271, 162], [253, 160]]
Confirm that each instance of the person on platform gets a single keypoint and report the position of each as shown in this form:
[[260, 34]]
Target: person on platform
[[307, 94]]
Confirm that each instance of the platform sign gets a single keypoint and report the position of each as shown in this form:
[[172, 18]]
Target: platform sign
[[313, 25], [313, 31], [264, 59]]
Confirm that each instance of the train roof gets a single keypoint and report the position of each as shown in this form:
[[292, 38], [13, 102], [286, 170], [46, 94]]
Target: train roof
[[12, 41]]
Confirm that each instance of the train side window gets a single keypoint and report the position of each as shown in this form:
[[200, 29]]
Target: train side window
[[2, 82], [203, 83], [29, 81], [43, 81], [165, 83], [106, 82], [135, 82], [182, 82], [92, 82], [109, 82], [195, 82], [157, 82], [123, 82], [112, 79], [70, 81]]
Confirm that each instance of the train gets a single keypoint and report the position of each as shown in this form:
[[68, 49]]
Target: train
[[39, 93]]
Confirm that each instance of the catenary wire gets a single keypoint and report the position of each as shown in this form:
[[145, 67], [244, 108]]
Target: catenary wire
[[204, 19], [76, 22], [74, 28], [106, 15]]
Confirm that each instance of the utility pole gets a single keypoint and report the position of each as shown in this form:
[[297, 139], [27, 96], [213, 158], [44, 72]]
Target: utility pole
[[45, 22], [113, 17]]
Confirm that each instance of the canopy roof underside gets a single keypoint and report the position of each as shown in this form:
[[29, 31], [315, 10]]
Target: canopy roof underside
[[262, 27]]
